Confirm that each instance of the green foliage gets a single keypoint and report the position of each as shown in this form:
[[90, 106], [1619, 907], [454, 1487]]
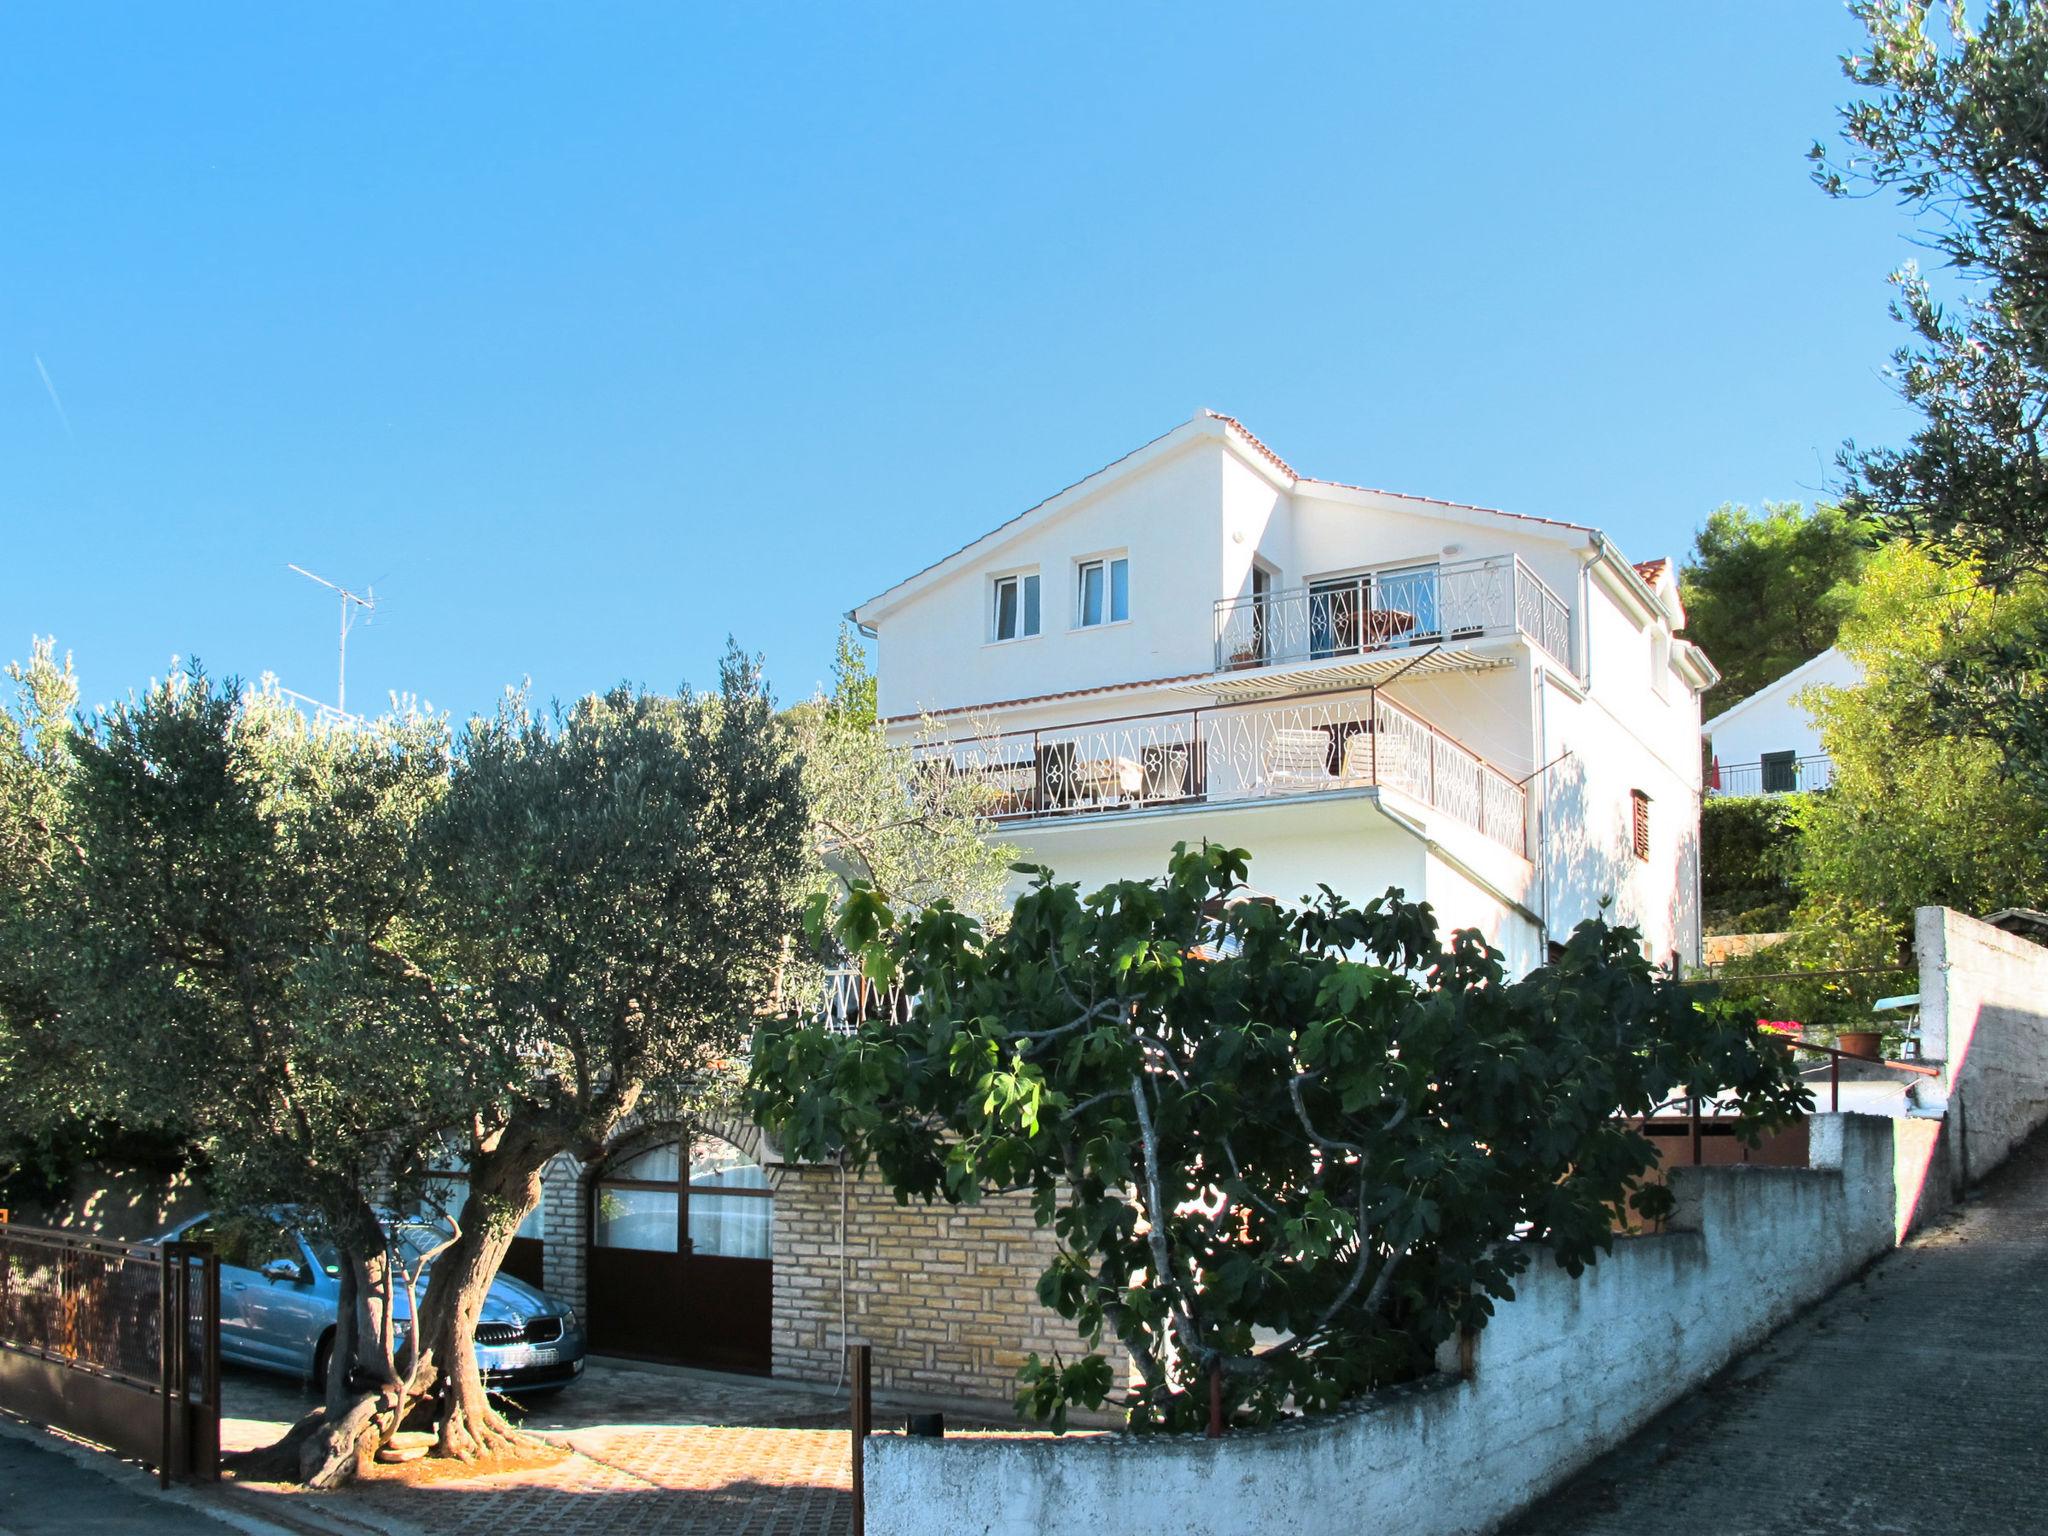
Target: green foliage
[[214, 945], [1838, 959], [1298, 1148], [877, 820], [1954, 121], [613, 883], [1765, 592], [1919, 814], [1747, 843]]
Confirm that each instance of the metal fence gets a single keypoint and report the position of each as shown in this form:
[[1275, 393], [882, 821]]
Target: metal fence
[[1429, 605], [1238, 752], [117, 1342], [1778, 775]]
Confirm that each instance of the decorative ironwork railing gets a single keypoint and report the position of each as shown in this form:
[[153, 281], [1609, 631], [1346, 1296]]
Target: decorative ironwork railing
[[850, 999], [1233, 753], [1783, 775], [1429, 605]]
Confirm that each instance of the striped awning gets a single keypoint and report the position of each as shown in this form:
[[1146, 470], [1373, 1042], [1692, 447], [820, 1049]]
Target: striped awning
[[1367, 671]]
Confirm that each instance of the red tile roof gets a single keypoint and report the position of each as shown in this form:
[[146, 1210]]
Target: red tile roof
[[1651, 571], [1253, 438]]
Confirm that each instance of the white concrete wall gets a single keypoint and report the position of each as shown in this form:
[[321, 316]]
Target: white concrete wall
[[936, 651], [1984, 1018], [1603, 738], [1192, 513], [1565, 1371]]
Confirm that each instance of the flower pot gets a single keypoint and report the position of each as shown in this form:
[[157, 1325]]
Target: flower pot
[[1865, 1043]]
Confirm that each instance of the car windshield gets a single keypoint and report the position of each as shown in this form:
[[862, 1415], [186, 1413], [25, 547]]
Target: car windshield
[[414, 1239], [326, 1255]]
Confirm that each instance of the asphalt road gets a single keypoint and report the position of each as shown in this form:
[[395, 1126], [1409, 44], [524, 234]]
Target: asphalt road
[[1913, 1402], [44, 1493]]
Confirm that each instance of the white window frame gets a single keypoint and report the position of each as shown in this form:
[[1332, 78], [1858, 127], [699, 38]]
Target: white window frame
[[994, 610], [1107, 560]]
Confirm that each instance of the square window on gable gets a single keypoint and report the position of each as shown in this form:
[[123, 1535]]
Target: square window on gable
[[1104, 595], [1016, 607]]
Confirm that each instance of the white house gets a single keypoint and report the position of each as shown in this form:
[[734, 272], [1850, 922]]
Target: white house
[[1769, 744], [1488, 710]]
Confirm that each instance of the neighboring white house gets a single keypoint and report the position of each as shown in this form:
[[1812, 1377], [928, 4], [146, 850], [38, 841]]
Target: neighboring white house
[[1768, 744], [1488, 710]]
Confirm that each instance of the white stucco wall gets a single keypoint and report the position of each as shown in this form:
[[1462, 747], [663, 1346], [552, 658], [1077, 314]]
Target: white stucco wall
[[1770, 721], [1566, 1370], [1984, 1018], [935, 651], [1192, 512], [1630, 723]]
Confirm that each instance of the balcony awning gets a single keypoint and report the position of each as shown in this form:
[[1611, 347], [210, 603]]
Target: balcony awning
[[1367, 671]]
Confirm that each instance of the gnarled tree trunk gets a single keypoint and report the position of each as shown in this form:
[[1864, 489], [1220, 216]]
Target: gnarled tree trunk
[[504, 1185]]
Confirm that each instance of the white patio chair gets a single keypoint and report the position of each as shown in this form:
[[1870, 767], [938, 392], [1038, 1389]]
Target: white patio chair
[[1297, 759]]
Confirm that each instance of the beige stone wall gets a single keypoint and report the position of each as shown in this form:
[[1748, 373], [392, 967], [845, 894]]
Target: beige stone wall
[[946, 1296]]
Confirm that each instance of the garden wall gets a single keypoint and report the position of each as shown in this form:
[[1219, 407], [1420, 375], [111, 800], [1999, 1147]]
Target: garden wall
[[1564, 1372], [948, 1296], [1984, 1018]]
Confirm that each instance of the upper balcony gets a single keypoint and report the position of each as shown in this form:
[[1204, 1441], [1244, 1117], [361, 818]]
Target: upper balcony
[[1390, 612]]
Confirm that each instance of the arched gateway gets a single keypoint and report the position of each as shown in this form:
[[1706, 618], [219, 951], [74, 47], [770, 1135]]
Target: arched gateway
[[679, 1265]]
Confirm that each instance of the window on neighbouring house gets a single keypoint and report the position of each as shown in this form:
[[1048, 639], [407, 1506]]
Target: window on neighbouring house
[[1105, 594], [1016, 607], [1639, 811], [1780, 772]]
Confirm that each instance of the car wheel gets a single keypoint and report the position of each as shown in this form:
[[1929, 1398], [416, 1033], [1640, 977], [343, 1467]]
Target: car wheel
[[323, 1356]]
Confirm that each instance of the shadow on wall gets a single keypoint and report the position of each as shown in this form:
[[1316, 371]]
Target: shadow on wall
[[1583, 862], [1981, 1019], [126, 1203]]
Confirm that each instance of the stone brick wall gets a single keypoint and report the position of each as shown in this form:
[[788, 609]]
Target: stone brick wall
[[565, 1218], [947, 1297]]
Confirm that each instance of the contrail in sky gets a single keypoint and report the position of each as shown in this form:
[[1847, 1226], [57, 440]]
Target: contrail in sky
[[62, 414]]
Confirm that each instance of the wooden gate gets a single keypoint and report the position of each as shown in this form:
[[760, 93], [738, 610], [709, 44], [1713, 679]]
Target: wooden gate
[[678, 1257]]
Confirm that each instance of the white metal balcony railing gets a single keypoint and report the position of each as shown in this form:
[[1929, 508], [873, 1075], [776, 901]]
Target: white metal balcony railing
[[1234, 753], [1389, 611], [1776, 775], [850, 1000]]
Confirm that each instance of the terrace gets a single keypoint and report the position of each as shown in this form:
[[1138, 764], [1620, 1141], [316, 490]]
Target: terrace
[[1234, 753], [1392, 611]]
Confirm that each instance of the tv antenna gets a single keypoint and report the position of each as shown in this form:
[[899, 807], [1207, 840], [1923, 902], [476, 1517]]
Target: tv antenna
[[353, 606]]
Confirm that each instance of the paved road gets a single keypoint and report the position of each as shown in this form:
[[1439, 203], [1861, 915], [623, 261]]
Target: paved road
[[45, 1493], [1915, 1401]]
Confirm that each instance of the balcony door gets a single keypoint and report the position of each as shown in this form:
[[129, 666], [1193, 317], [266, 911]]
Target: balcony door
[[1367, 613], [679, 1257]]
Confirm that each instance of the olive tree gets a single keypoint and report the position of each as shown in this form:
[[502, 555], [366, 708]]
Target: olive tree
[[1285, 1153], [218, 945], [613, 886]]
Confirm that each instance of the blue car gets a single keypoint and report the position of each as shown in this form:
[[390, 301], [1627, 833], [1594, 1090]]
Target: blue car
[[280, 1292]]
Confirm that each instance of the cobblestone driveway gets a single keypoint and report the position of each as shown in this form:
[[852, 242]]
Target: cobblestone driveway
[[669, 1453]]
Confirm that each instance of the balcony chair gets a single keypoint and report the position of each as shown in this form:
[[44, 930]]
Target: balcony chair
[[1296, 759]]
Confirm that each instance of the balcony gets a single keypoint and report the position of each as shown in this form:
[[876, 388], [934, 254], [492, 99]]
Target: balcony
[[1233, 754], [1391, 612], [1777, 773]]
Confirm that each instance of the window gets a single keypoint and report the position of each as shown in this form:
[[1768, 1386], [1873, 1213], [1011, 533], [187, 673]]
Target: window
[[1780, 772], [724, 1208], [1105, 592], [1016, 616], [1639, 808]]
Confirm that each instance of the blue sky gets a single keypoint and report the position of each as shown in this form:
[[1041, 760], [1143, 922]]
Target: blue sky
[[593, 334]]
